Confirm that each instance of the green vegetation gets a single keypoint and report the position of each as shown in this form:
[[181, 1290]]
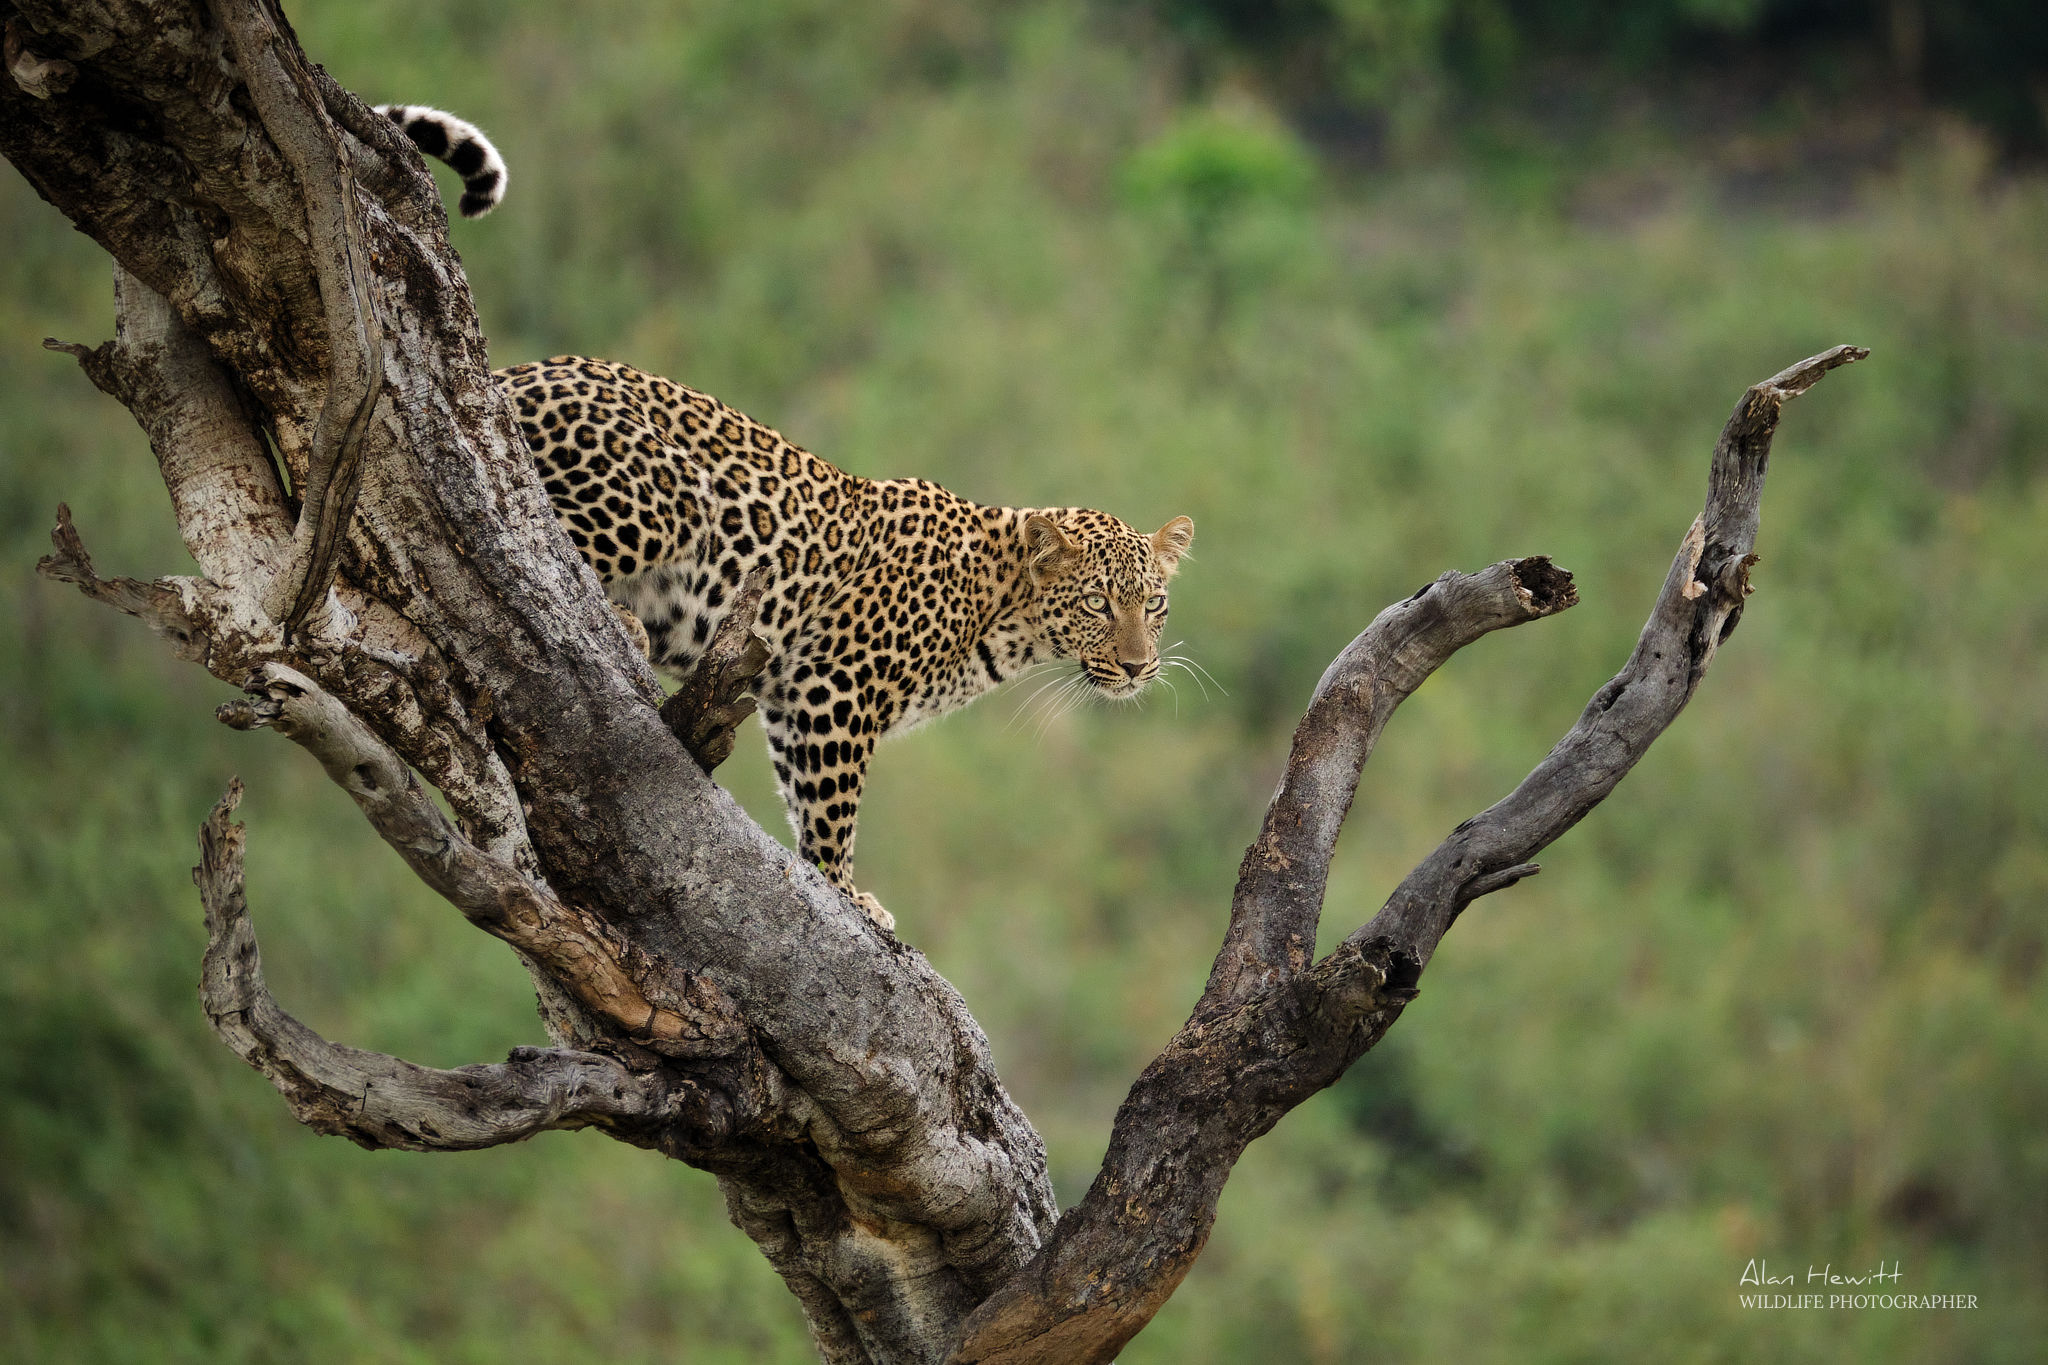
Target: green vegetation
[[1783, 998], [1413, 61]]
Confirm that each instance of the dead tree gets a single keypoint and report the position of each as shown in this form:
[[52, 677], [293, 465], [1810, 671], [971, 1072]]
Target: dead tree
[[384, 579]]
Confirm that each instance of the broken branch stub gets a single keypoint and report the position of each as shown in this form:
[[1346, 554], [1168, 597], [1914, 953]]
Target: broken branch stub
[[708, 708]]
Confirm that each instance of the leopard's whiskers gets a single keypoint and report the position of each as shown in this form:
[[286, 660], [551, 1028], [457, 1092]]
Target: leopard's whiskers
[[1041, 717], [1176, 663], [1188, 665], [1025, 705], [1078, 689], [1167, 683]]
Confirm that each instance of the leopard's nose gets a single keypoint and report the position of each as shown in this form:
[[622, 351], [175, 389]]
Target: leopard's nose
[[1131, 670]]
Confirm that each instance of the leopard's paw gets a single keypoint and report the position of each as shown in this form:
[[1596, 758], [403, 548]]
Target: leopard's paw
[[635, 632], [875, 910]]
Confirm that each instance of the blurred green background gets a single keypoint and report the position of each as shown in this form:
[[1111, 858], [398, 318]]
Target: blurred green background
[[1371, 289]]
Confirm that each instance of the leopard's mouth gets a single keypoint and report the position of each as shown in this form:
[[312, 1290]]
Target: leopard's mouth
[[1112, 679]]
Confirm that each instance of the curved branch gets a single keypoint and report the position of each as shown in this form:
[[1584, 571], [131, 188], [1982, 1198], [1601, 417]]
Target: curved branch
[[380, 1101], [1279, 895]]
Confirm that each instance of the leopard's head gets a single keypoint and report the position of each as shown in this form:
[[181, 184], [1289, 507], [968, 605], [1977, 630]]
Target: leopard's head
[[1102, 591]]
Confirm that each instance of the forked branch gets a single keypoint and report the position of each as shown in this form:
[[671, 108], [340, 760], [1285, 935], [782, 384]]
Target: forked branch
[[1279, 897], [1698, 608], [1272, 1029]]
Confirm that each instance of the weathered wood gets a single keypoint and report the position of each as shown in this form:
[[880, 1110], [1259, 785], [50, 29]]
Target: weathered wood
[[274, 72], [711, 703], [284, 282], [1698, 608], [1279, 896], [378, 1101], [652, 1005]]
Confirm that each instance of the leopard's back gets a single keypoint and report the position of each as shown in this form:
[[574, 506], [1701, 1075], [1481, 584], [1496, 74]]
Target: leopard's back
[[888, 602], [673, 497]]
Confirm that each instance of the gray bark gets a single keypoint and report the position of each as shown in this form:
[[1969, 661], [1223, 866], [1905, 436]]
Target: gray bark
[[394, 595]]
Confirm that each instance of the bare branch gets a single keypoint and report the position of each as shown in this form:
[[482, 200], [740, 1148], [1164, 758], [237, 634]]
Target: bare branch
[[1280, 884], [1497, 881], [1698, 608], [379, 1101], [710, 705], [156, 604]]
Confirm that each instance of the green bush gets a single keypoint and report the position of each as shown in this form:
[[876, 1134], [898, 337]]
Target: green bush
[[1224, 190]]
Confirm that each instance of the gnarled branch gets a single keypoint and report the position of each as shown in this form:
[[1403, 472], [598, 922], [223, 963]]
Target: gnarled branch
[[380, 1101]]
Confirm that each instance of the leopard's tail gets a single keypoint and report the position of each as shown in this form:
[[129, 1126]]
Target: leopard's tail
[[462, 145]]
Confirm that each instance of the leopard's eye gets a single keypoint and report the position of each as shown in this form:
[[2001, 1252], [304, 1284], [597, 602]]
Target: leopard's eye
[[1095, 601], [1157, 602]]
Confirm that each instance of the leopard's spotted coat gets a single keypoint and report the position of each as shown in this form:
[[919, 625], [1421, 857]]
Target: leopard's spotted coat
[[889, 602]]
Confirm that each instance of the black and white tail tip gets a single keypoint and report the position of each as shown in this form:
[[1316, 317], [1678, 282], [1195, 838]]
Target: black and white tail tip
[[462, 145]]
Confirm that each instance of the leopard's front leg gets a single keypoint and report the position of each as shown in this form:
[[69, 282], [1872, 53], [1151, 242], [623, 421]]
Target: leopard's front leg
[[821, 765]]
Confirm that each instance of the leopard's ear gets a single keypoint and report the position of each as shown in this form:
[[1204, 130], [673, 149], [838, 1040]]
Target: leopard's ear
[[1171, 541], [1048, 550]]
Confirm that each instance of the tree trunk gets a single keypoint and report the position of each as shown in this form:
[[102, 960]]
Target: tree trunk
[[385, 579]]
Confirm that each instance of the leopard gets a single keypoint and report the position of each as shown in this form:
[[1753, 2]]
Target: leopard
[[887, 602], [462, 145]]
